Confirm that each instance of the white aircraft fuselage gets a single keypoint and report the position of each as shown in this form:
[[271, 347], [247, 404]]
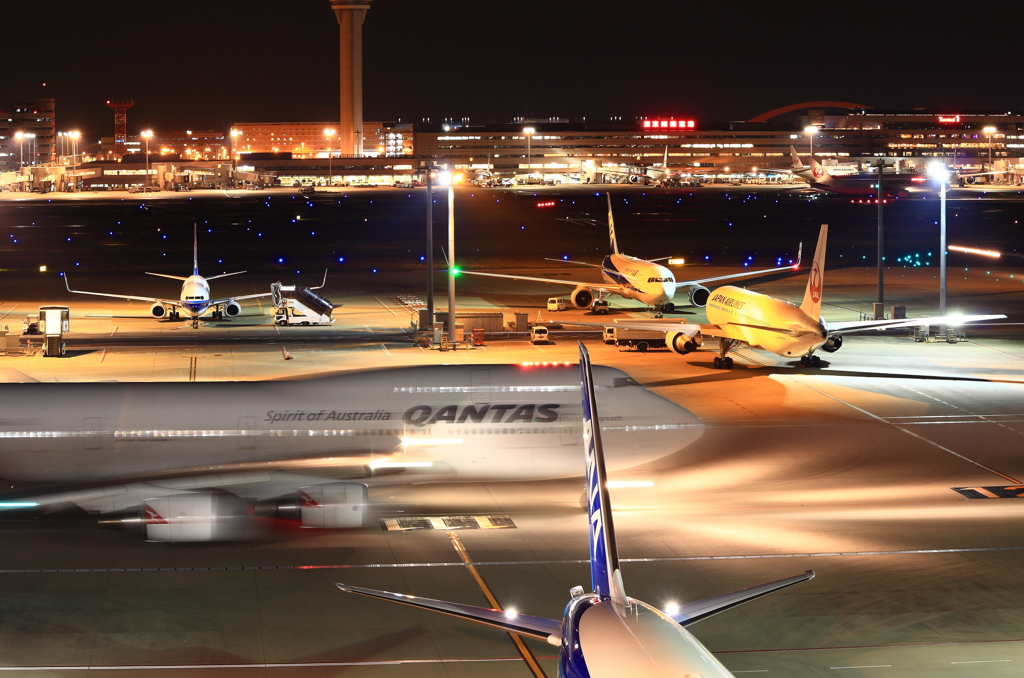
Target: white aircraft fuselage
[[468, 422], [645, 281], [751, 314]]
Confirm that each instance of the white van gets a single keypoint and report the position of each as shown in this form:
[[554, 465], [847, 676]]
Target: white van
[[557, 304], [538, 334]]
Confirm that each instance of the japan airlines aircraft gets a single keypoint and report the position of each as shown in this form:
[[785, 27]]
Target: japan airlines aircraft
[[607, 634], [191, 461], [741, 317], [807, 172], [194, 299], [632, 278], [896, 185]]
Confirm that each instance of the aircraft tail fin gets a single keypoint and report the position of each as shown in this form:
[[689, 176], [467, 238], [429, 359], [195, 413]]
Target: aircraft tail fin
[[605, 577], [611, 226], [195, 251], [819, 173], [815, 281], [797, 162]]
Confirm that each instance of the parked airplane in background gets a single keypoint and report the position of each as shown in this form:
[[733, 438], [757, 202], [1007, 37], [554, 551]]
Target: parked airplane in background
[[806, 172], [606, 633], [630, 174], [194, 299], [632, 278], [191, 461], [739, 317], [894, 185]]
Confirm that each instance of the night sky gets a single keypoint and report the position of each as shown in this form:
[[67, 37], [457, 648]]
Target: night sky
[[205, 65]]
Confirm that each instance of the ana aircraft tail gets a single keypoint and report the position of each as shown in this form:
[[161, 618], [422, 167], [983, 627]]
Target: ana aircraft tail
[[812, 295], [611, 226], [605, 577]]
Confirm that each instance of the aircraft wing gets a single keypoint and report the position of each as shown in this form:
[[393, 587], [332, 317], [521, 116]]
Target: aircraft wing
[[168, 302], [747, 274], [853, 325], [590, 286], [699, 610], [217, 302], [540, 628]]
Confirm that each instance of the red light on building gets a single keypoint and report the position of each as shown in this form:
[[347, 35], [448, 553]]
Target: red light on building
[[949, 119], [669, 124]]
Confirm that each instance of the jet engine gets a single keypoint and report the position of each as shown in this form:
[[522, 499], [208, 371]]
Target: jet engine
[[582, 297], [834, 343], [328, 506], [679, 342], [196, 516], [231, 309], [699, 295], [158, 310]]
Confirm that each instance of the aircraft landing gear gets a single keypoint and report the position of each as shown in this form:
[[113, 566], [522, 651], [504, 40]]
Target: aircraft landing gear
[[195, 323], [810, 361], [723, 361], [667, 308], [174, 316]]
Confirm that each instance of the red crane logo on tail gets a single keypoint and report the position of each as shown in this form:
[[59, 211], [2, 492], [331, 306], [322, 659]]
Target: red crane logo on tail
[[815, 284], [818, 172]]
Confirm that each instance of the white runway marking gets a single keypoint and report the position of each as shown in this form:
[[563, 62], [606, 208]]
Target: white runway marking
[[176, 667]]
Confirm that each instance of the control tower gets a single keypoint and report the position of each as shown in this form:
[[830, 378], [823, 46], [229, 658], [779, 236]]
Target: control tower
[[350, 15]]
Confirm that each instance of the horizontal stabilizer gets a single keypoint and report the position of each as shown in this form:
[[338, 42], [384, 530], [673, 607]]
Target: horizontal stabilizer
[[548, 630], [699, 610]]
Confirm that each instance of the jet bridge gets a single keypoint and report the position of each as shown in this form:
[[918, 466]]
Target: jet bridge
[[294, 305]]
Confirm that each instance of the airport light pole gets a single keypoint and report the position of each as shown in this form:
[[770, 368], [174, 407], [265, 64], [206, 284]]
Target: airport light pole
[[329, 133], [74, 156], [529, 160], [939, 172], [146, 134], [20, 136], [810, 131], [989, 131], [451, 264], [880, 304], [428, 171]]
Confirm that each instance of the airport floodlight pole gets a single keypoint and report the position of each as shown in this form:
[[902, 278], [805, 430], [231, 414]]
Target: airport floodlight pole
[[74, 156], [146, 134], [451, 264], [428, 171], [810, 131], [529, 160], [880, 305], [329, 133], [989, 131], [939, 172], [20, 136]]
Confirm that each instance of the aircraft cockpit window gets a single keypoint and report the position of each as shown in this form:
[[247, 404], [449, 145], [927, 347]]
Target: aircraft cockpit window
[[661, 280]]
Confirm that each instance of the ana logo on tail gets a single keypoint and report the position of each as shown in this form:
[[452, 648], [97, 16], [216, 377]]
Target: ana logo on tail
[[815, 286]]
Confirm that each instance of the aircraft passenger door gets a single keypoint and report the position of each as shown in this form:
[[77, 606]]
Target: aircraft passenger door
[[247, 433], [571, 434], [92, 432], [481, 382]]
